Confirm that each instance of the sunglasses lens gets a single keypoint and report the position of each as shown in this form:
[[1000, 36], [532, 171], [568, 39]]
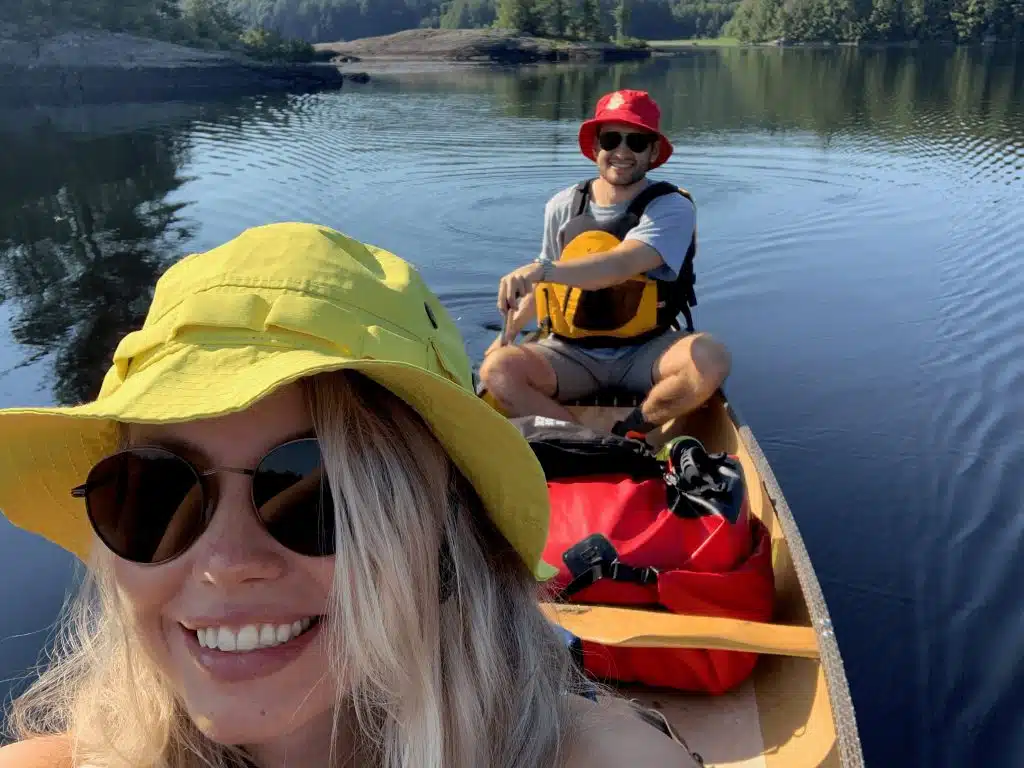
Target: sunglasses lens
[[145, 504], [610, 140], [638, 142], [291, 493]]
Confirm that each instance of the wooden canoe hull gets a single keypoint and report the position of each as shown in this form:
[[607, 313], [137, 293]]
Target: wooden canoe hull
[[796, 709]]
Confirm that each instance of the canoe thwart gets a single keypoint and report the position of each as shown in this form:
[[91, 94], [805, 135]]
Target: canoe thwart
[[632, 628]]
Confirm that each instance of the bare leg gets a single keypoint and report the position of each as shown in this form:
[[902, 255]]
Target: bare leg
[[523, 382], [686, 375]]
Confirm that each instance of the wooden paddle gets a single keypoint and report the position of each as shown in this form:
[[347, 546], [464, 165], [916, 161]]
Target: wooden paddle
[[630, 628]]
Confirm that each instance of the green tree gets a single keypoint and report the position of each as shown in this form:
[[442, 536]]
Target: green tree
[[554, 16], [519, 15], [591, 24], [467, 14], [622, 19], [211, 20]]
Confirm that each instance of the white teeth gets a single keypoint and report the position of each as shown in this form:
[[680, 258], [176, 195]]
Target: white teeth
[[251, 636], [248, 638], [225, 639], [268, 636]]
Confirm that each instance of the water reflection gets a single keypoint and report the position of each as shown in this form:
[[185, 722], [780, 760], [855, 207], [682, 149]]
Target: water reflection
[[889, 93], [82, 241]]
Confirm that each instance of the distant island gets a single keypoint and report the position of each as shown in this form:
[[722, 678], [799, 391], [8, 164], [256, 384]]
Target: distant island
[[493, 46]]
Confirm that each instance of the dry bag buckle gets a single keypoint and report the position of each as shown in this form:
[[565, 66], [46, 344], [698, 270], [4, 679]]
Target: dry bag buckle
[[622, 572]]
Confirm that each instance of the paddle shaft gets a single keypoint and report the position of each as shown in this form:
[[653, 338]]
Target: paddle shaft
[[630, 628]]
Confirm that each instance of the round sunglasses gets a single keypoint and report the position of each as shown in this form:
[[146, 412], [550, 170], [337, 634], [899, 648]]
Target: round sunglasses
[[637, 142], [149, 505]]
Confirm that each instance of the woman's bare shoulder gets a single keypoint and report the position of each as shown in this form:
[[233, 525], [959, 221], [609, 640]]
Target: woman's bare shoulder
[[42, 752], [611, 734]]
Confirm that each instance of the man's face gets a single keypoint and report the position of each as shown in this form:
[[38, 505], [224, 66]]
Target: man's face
[[619, 163]]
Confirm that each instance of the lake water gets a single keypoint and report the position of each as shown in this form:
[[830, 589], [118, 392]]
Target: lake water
[[862, 227]]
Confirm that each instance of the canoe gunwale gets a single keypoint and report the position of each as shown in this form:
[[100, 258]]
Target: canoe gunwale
[[847, 734]]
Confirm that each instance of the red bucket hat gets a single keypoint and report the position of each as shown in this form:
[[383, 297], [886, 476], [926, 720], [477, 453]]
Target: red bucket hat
[[635, 108]]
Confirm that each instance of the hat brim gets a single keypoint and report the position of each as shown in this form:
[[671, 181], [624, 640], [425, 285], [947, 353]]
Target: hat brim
[[48, 451], [589, 128]]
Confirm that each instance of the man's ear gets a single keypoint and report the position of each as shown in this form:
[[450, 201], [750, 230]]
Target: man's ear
[[655, 150]]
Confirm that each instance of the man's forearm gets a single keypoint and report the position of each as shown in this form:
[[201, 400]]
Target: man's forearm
[[601, 270]]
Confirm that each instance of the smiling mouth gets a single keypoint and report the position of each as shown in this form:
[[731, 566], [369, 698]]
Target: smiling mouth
[[253, 637]]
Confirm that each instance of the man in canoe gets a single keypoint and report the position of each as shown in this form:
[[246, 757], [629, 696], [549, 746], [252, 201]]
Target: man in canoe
[[614, 273]]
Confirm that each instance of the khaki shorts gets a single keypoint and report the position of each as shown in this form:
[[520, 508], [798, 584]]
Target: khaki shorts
[[581, 374]]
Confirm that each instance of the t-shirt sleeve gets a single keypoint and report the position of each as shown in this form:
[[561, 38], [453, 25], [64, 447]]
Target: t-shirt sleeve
[[556, 214], [667, 226]]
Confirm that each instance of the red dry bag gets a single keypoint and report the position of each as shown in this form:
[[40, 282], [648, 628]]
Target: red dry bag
[[628, 529]]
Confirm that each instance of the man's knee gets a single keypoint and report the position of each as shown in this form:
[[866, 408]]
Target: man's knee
[[498, 367], [507, 370], [711, 358], [699, 354]]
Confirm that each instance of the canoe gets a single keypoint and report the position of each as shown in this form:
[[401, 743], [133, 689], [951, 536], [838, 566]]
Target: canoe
[[795, 710]]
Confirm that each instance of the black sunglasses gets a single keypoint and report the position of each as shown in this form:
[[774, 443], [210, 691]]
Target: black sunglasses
[[637, 142], [149, 505]]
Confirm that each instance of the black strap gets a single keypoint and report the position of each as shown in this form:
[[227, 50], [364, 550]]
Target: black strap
[[616, 571], [594, 558], [581, 197], [659, 189], [687, 315]]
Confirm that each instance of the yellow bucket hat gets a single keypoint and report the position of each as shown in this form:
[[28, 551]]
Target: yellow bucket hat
[[227, 327]]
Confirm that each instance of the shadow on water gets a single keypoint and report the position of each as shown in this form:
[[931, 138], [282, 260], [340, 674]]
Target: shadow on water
[[860, 223]]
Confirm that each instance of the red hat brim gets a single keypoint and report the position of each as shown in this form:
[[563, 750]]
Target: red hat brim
[[588, 133]]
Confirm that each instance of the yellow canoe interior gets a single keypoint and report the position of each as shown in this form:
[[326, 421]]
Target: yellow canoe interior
[[795, 710]]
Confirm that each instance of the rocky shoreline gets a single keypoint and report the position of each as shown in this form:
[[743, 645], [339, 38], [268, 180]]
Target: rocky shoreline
[[95, 67], [98, 67]]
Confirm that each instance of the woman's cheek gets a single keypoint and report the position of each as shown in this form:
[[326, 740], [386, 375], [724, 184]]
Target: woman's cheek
[[147, 595]]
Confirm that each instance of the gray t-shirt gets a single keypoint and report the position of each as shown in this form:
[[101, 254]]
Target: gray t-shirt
[[667, 226]]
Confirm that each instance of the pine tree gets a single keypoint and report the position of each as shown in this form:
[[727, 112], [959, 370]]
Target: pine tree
[[622, 19], [554, 17], [591, 26], [520, 15]]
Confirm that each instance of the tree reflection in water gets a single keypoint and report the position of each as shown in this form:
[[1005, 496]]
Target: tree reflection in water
[[85, 232]]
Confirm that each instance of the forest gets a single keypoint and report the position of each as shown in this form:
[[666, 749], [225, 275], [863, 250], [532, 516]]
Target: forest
[[271, 28], [331, 20], [962, 21]]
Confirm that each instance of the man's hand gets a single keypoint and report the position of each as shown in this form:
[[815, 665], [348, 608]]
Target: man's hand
[[516, 285]]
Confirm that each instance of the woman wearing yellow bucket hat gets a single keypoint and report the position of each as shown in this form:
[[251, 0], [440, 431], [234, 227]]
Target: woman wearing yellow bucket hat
[[309, 542]]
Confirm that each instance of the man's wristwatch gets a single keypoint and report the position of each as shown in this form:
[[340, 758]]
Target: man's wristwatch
[[546, 267]]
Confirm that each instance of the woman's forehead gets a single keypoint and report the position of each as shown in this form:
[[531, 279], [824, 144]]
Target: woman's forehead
[[280, 416]]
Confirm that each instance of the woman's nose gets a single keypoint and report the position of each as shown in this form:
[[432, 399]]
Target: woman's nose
[[236, 548]]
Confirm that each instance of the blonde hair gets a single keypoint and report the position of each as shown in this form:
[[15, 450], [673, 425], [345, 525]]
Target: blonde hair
[[478, 678]]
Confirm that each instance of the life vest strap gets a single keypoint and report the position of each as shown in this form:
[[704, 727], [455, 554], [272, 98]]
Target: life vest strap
[[581, 197], [659, 189]]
